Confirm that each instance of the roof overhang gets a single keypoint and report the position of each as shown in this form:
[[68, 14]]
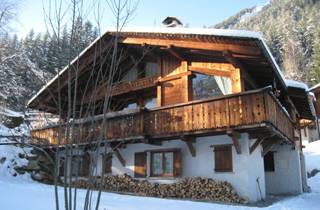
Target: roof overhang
[[299, 94]]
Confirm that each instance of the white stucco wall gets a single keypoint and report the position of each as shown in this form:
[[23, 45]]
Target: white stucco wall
[[246, 168], [286, 179]]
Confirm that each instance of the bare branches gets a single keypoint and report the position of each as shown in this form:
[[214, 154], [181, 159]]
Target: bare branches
[[102, 69], [7, 12]]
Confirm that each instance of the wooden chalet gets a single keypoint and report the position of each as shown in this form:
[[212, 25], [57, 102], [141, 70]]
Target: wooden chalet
[[185, 102], [310, 130]]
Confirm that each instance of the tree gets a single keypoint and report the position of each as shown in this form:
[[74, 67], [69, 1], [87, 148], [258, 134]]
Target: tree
[[315, 73]]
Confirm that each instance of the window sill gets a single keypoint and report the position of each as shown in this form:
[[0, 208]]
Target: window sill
[[224, 172], [162, 177]]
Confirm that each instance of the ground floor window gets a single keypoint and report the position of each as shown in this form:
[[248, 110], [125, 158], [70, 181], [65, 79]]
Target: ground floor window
[[165, 163], [269, 162], [223, 158], [107, 163]]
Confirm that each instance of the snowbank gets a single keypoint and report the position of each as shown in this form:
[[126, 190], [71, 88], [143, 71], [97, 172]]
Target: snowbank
[[10, 157], [312, 156], [35, 196]]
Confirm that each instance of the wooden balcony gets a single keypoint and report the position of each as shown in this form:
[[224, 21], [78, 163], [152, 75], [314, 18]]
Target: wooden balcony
[[255, 111]]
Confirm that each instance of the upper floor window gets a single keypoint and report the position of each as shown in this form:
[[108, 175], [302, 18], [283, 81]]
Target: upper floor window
[[139, 71], [151, 103], [151, 69], [130, 75], [205, 86]]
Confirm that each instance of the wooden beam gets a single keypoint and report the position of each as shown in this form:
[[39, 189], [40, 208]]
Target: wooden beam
[[120, 88], [241, 49], [173, 51], [86, 60], [119, 156], [188, 140], [152, 142], [256, 144], [268, 146], [235, 136], [211, 72], [186, 82], [245, 75], [173, 77]]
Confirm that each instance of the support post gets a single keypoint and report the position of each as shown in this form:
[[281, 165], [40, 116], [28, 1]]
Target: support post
[[119, 156], [235, 136], [256, 144], [188, 140]]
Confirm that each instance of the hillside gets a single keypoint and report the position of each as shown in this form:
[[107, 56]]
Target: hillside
[[291, 29]]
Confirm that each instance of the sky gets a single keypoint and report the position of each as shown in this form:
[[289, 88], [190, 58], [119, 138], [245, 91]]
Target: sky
[[195, 13]]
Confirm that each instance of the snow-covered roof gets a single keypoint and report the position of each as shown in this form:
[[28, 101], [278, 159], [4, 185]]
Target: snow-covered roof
[[314, 87], [10, 113], [296, 84], [183, 31], [194, 31]]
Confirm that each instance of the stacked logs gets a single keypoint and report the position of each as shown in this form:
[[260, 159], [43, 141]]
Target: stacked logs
[[189, 188]]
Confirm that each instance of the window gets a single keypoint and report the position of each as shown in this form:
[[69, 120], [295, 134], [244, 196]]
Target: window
[[151, 69], [269, 162], [85, 165], [305, 132], [205, 86], [132, 105], [131, 75], [107, 163], [223, 158], [140, 164], [166, 163], [151, 103], [61, 166], [75, 165]]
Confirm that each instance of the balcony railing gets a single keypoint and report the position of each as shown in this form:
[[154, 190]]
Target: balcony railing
[[242, 111]]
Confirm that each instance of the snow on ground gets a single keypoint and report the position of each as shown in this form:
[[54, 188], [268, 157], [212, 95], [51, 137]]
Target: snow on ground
[[22, 130], [27, 195], [18, 193], [312, 155], [253, 13]]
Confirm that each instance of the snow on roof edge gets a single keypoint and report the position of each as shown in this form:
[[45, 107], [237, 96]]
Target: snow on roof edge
[[273, 61], [166, 30], [194, 31], [314, 87], [296, 84]]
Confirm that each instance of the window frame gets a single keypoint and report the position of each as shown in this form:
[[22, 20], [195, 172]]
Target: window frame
[[163, 174], [269, 168], [106, 158], [227, 150]]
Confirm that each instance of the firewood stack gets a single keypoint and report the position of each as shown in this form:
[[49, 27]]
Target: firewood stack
[[190, 188]]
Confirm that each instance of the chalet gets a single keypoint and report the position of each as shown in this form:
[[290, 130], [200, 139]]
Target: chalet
[[310, 129], [185, 103]]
